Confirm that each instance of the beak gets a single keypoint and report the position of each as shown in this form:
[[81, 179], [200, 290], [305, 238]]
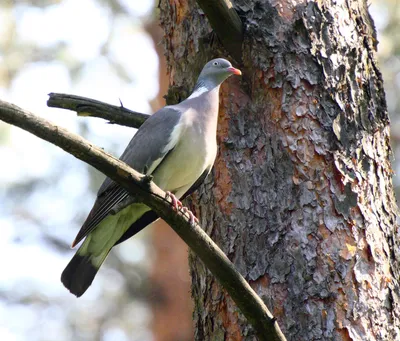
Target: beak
[[234, 71]]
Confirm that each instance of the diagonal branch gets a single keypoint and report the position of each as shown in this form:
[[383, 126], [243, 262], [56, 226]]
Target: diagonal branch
[[89, 107], [147, 192], [226, 23]]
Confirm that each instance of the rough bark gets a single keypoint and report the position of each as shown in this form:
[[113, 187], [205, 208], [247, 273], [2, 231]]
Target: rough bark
[[301, 198]]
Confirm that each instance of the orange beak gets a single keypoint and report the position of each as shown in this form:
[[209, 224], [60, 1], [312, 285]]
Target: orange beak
[[235, 71]]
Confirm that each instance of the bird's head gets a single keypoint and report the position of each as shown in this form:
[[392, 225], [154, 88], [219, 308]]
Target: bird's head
[[217, 70]]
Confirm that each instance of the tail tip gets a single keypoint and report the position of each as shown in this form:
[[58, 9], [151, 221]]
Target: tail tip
[[78, 275]]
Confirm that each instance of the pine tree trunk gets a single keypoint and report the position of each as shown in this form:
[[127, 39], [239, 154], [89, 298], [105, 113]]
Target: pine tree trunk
[[301, 196]]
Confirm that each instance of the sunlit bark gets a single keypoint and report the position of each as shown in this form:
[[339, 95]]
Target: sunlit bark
[[301, 197]]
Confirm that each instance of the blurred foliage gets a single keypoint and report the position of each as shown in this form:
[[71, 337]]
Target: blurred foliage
[[386, 15], [94, 48]]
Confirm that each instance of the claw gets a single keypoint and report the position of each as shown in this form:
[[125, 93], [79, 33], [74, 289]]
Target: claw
[[176, 204], [192, 217]]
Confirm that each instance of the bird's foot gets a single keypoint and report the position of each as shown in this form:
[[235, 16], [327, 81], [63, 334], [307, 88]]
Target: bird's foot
[[193, 218], [176, 204]]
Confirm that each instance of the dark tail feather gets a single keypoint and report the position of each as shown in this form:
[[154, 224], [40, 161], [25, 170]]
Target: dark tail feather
[[79, 274], [81, 270]]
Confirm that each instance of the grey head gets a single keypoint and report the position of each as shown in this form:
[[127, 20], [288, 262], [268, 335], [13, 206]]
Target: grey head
[[215, 72]]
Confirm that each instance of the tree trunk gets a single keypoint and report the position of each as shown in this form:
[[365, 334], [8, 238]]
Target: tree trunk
[[301, 196]]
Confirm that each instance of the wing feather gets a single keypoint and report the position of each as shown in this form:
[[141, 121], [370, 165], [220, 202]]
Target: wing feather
[[100, 210], [148, 147]]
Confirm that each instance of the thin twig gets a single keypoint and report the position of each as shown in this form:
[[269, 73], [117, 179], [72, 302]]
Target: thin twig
[[147, 192], [89, 107]]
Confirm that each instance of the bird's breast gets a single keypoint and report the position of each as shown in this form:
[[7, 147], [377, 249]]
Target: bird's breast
[[193, 154]]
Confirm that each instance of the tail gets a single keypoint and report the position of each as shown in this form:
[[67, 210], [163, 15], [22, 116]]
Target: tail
[[81, 270]]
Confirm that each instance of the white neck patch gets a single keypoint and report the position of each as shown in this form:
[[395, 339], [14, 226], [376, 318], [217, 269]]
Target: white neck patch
[[198, 92]]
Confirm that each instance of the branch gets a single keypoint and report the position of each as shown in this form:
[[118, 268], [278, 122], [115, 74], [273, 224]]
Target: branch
[[226, 23], [89, 107], [147, 192]]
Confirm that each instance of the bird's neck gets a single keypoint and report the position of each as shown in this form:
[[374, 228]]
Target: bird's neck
[[205, 102], [203, 86]]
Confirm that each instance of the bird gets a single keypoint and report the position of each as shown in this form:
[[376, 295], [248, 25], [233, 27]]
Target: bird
[[176, 147]]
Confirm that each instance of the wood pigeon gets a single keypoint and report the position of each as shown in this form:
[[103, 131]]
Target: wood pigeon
[[177, 146]]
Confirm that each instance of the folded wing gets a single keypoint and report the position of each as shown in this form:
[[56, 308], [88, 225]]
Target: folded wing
[[150, 145]]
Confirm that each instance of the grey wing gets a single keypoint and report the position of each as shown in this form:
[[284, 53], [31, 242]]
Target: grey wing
[[143, 153], [147, 146]]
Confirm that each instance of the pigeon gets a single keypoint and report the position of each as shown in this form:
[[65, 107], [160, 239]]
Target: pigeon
[[176, 147]]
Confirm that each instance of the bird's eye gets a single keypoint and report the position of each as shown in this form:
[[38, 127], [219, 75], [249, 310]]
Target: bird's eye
[[215, 63]]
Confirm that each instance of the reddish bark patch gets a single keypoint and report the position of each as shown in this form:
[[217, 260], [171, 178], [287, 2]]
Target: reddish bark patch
[[287, 8], [230, 99], [230, 321], [263, 285], [181, 10], [275, 102], [223, 179], [345, 334]]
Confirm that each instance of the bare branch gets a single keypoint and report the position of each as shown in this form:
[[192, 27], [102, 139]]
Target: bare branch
[[226, 23], [89, 107], [147, 192]]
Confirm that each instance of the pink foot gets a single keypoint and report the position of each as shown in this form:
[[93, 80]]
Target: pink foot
[[176, 204], [192, 217]]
